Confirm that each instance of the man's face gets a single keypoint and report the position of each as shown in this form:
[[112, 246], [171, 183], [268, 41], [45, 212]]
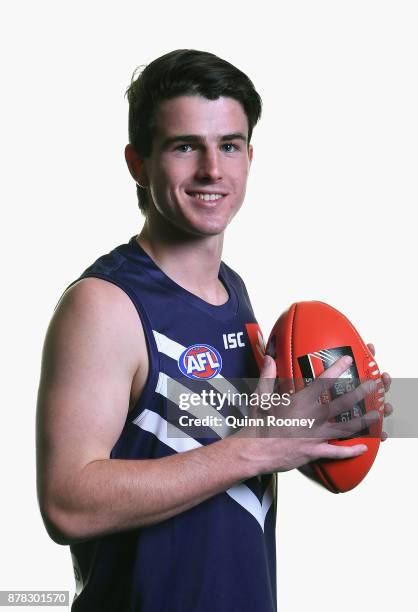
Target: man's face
[[198, 169]]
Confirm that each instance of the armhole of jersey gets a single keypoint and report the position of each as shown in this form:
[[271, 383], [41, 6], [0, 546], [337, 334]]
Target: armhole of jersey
[[153, 355]]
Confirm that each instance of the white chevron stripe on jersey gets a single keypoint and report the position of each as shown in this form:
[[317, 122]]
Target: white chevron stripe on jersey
[[152, 422], [248, 500], [171, 389], [169, 347], [174, 349], [268, 497]]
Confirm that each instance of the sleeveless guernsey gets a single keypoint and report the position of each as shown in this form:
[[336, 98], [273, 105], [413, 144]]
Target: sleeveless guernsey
[[218, 556]]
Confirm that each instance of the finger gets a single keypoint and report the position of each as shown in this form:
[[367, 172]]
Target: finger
[[327, 379], [387, 409], [371, 348], [346, 402], [387, 381], [332, 451], [267, 376], [349, 428], [384, 436]]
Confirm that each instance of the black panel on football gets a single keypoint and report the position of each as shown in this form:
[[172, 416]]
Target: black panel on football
[[347, 382]]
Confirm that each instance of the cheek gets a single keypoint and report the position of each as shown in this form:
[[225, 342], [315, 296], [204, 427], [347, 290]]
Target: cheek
[[240, 177], [171, 178], [162, 183], [164, 189]]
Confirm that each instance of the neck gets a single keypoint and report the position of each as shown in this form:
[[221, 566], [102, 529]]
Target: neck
[[191, 261]]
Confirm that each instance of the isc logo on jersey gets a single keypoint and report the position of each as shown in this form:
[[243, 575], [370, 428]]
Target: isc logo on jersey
[[200, 361]]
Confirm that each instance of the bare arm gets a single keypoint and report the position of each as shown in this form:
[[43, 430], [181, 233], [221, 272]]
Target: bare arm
[[94, 346]]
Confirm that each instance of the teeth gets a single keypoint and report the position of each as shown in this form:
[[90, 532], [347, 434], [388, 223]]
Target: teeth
[[208, 196]]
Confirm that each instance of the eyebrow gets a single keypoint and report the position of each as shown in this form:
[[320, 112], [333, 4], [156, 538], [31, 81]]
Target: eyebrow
[[196, 138]]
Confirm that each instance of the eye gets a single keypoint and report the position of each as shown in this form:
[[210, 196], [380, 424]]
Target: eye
[[184, 148], [229, 147]]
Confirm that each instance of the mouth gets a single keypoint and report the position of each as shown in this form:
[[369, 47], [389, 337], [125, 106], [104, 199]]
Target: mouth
[[208, 199]]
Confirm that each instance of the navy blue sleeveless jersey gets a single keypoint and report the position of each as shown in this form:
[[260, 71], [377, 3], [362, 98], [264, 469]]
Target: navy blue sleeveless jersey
[[218, 556]]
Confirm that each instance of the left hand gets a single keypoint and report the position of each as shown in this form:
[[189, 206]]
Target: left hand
[[386, 379]]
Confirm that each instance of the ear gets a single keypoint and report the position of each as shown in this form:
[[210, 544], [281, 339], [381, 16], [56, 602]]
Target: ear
[[250, 153], [136, 166]]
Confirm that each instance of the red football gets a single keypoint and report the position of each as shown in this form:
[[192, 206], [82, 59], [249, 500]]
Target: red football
[[307, 339]]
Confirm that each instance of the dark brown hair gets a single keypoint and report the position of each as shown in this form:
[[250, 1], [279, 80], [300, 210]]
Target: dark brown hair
[[178, 73]]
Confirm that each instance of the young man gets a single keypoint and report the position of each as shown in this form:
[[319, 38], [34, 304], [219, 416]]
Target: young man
[[155, 522]]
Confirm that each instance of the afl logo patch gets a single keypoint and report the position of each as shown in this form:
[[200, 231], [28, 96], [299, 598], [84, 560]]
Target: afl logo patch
[[200, 361]]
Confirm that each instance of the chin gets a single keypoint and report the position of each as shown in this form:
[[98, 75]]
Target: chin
[[203, 231], [202, 225], [209, 227]]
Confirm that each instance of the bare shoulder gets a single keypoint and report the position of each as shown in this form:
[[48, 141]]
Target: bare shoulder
[[94, 355], [94, 351], [95, 315], [95, 333]]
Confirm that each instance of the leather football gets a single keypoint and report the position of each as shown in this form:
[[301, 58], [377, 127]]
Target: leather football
[[306, 340]]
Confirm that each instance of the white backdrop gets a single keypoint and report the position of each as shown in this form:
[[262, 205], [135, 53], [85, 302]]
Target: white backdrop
[[328, 215]]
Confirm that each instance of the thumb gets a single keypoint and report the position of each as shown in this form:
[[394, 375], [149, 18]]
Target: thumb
[[268, 369], [267, 375]]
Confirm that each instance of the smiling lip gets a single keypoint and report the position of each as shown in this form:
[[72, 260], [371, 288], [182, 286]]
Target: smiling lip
[[211, 201], [205, 203]]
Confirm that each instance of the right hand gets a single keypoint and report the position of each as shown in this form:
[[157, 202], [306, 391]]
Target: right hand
[[282, 449]]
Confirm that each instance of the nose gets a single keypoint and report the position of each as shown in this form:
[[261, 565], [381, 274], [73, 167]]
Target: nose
[[209, 165]]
